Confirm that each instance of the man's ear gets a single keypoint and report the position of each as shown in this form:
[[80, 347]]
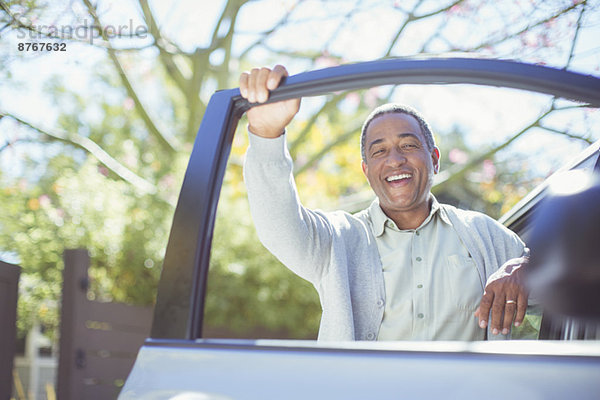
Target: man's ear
[[364, 168], [435, 158]]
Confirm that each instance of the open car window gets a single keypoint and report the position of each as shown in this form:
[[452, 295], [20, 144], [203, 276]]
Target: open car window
[[497, 146], [216, 282]]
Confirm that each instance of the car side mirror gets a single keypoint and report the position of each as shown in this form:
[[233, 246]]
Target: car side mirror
[[564, 269]]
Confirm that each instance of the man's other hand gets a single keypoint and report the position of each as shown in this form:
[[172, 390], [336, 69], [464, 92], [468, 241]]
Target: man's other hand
[[505, 295], [268, 120]]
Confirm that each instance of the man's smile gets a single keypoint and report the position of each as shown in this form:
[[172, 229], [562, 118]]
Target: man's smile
[[398, 179]]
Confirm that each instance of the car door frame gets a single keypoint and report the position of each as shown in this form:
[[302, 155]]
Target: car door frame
[[179, 307]]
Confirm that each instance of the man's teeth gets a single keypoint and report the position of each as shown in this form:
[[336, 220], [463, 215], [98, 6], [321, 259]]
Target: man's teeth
[[397, 177]]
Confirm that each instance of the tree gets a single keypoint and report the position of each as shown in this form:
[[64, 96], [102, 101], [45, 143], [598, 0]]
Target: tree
[[108, 156]]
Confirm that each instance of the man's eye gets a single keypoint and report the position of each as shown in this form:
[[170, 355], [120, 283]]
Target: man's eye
[[377, 152], [409, 146]]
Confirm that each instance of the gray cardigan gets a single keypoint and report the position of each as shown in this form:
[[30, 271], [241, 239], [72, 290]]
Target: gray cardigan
[[336, 251]]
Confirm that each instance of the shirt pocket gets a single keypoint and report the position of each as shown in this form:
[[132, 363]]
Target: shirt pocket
[[463, 282]]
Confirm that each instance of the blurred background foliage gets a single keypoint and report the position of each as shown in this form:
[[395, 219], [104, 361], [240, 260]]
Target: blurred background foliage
[[94, 141]]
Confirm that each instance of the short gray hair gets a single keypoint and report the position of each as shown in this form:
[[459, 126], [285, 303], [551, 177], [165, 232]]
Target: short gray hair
[[394, 108]]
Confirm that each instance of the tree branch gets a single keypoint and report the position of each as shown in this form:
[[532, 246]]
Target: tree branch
[[225, 43], [14, 21], [449, 176], [215, 39], [567, 134], [493, 42], [325, 150], [201, 65], [96, 151], [436, 35], [168, 143], [165, 57], [266, 34], [411, 17], [8, 144], [195, 107], [577, 28], [340, 139], [438, 11], [313, 119], [340, 27]]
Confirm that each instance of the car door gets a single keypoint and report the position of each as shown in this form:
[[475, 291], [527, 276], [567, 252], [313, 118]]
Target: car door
[[180, 359]]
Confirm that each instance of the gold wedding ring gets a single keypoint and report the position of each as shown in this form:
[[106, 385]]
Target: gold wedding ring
[[511, 302]]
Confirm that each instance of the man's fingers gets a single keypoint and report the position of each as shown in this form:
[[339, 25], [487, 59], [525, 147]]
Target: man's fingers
[[509, 313], [267, 120], [521, 309], [497, 311], [509, 298], [244, 85], [259, 83], [484, 308], [262, 92], [275, 76], [252, 77], [256, 84]]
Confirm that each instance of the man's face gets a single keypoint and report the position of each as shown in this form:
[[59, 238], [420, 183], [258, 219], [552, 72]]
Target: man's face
[[399, 166]]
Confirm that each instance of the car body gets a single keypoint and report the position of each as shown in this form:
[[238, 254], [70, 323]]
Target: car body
[[176, 362]]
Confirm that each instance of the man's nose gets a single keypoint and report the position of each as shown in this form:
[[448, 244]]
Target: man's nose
[[395, 157]]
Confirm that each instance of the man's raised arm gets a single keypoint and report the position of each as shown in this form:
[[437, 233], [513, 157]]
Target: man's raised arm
[[298, 237]]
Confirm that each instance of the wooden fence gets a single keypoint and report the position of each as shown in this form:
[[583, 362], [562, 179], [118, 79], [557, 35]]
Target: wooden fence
[[98, 341], [9, 290]]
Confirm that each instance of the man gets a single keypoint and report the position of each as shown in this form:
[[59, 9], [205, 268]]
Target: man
[[406, 268]]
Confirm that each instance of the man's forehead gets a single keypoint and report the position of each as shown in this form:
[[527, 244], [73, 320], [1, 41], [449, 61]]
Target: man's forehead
[[406, 125], [395, 118], [399, 135]]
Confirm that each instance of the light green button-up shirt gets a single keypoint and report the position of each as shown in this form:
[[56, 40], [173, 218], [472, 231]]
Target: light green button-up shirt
[[431, 282]]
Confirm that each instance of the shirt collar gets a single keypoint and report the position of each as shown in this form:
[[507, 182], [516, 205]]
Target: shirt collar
[[379, 219]]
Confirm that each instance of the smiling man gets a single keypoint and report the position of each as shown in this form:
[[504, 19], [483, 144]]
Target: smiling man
[[399, 161], [407, 267]]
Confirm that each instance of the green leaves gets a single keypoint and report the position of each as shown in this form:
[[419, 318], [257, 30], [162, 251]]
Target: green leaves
[[124, 233]]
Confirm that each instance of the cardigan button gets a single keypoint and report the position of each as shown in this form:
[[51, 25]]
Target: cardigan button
[[371, 336], [380, 302]]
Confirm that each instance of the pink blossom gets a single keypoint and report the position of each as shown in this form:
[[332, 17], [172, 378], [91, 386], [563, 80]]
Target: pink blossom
[[44, 200], [166, 181], [128, 103], [457, 156], [455, 9], [372, 97], [489, 170], [353, 98], [103, 170], [325, 61]]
